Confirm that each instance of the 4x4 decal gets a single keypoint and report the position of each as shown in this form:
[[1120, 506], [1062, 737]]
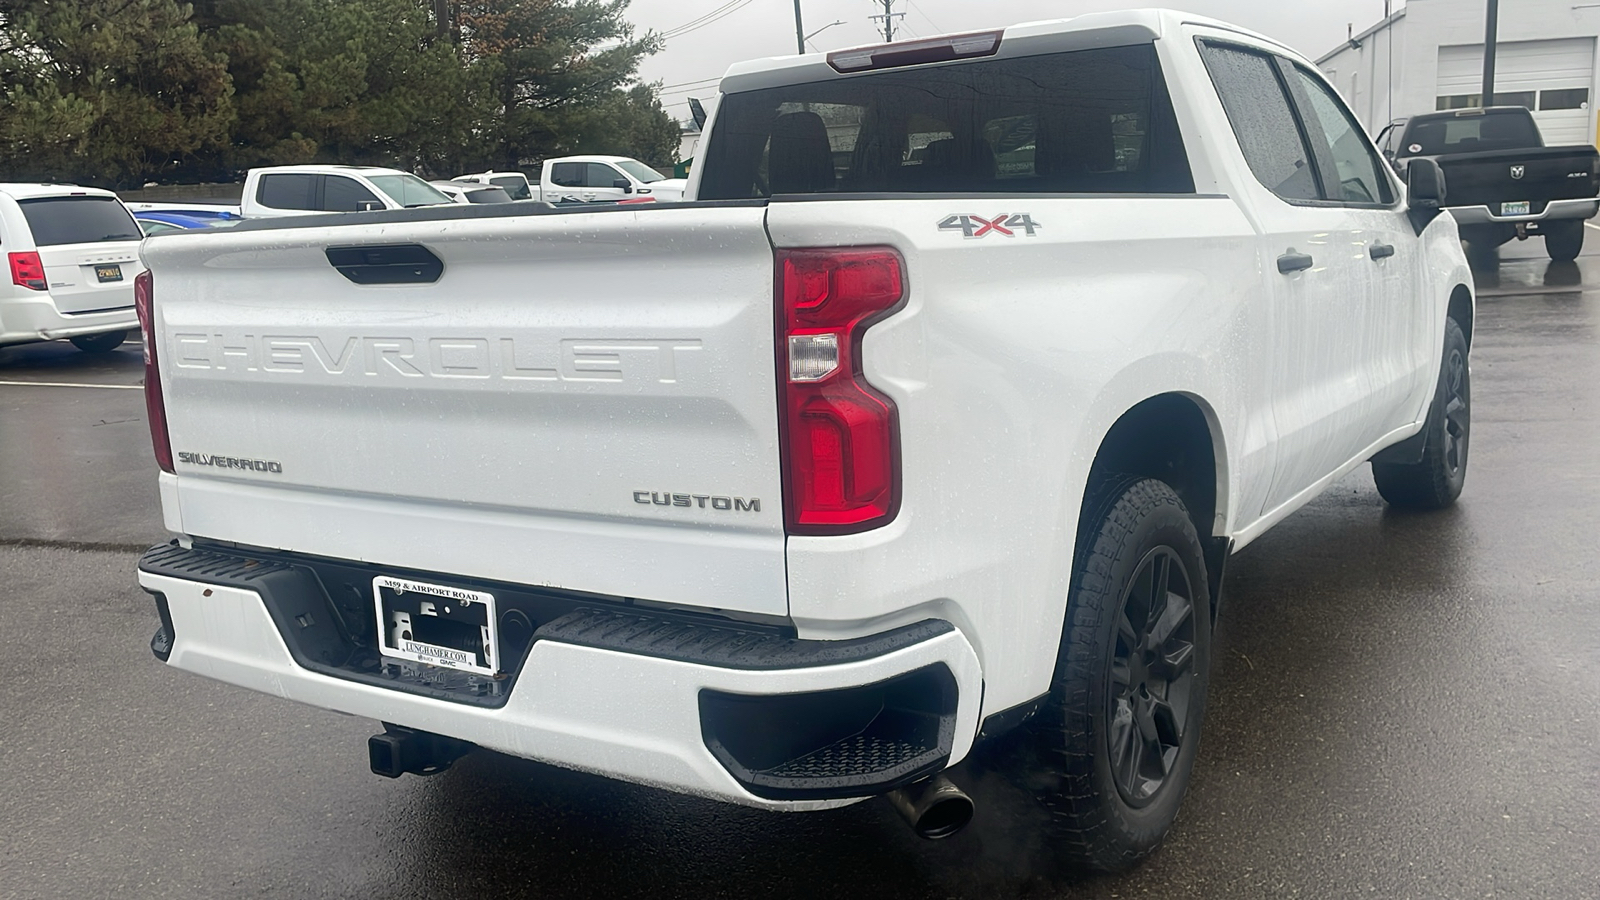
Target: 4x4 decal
[[977, 226]]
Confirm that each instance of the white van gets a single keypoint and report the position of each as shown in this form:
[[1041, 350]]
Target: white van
[[71, 253]]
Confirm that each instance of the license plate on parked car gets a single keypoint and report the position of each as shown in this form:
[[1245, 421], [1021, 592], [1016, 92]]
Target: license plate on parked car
[[108, 273], [1516, 208], [435, 624]]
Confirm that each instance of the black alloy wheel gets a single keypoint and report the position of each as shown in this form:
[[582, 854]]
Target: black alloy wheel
[[1436, 480], [1095, 778], [1151, 677], [1457, 414]]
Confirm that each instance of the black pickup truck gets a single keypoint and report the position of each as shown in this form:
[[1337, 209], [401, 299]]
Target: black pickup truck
[[1502, 181]]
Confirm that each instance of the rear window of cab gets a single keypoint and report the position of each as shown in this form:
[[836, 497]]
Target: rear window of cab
[[1085, 121]]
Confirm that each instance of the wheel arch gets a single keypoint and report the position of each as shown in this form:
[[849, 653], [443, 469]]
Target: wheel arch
[[1175, 437]]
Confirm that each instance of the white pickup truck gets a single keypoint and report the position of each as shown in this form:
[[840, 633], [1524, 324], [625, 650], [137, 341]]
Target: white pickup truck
[[570, 180], [927, 424], [282, 191]]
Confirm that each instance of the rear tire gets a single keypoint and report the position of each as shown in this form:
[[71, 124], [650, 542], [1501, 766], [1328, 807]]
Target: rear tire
[[1105, 764], [1563, 239], [100, 343], [1436, 481]]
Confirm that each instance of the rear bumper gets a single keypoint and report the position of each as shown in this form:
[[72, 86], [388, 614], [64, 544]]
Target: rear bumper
[[1555, 209], [588, 698], [24, 319]]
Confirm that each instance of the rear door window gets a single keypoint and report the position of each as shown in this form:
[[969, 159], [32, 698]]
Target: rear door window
[[78, 220], [1257, 107], [288, 190], [568, 174], [1093, 120]]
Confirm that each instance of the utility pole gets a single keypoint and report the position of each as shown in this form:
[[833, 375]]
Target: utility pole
[[799, 30], [1491, 32], [888, 17]]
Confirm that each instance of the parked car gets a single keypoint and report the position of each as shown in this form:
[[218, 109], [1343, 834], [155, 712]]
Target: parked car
[[472, 193], [791, 494], [602, 179], [515, 184], [1504, 183], [155, 221], [72, 253], [301, 190]]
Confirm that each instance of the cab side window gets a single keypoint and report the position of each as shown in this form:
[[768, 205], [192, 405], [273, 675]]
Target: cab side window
[[290, 190], [1258, 108], [567, 174], [1350, 169], [602, 175], [341, 194]]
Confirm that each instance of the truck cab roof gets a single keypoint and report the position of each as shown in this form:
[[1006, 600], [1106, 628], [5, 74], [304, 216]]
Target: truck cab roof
[[1100, 29]]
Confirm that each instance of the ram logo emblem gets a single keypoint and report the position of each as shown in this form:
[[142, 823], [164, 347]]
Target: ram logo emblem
[[1518, 171]]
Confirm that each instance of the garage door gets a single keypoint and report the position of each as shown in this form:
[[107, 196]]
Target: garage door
[[1553, 78]]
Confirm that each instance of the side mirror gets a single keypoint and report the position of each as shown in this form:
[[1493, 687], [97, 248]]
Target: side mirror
[[1425, 192], [1425, 184], [624, 184]]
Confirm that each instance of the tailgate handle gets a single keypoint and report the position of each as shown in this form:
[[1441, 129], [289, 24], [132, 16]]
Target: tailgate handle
[[386, 263]]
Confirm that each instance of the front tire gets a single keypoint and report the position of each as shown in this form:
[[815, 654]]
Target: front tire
[[1107, 761], [100, 343], [1563, 239], [1436, 480]]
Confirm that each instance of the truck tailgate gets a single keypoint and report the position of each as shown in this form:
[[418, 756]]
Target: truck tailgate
[[1535, 175], [583, 400]]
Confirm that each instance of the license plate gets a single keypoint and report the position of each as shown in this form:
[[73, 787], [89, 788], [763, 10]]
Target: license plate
[[1518, 208], [108, 273], [451, 627]]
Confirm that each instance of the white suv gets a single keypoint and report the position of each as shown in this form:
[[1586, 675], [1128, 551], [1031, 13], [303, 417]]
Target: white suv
[[72, 254]]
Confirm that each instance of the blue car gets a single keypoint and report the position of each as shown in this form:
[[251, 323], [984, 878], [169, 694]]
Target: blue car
[[156, 221]]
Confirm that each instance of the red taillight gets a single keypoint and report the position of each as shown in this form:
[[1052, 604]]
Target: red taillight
[[155, 408], [27, 270], [841, 442]]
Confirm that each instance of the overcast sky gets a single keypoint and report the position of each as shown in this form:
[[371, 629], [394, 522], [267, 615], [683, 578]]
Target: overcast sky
[[757, 28]]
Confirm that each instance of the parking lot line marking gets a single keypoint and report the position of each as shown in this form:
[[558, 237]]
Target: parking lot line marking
[[1593, 225], [113, 387]]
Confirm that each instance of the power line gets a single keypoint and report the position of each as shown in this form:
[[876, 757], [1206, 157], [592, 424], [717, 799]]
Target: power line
[[690, 84], [716, 15], [934, 25], [671, 31]]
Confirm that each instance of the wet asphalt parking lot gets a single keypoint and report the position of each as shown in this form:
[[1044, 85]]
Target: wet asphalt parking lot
[[1402, 705]]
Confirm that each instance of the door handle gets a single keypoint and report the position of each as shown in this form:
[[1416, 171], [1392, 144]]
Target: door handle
[[1294, 261], [1380, 251]]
